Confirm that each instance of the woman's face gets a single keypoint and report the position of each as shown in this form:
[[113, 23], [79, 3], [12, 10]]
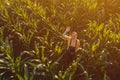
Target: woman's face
[[74, 35]]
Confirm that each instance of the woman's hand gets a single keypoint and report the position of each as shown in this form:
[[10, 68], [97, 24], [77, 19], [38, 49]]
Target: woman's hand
[[67, 29]]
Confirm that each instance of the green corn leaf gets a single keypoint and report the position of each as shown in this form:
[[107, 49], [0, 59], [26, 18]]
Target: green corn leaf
[[26, 75], [19, 77], [42, 54]]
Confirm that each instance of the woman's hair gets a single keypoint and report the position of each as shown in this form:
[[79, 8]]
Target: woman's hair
[[74, 33]]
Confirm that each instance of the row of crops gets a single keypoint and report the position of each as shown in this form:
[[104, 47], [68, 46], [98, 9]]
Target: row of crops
[[31, 43]]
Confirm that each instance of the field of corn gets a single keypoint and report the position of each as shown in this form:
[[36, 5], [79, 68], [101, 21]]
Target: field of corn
[[31, 43]]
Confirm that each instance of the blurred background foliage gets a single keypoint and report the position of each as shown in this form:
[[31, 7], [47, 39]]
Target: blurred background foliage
[[31, 45]]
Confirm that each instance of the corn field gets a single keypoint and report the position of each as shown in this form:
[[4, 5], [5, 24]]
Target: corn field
[[31, 43]]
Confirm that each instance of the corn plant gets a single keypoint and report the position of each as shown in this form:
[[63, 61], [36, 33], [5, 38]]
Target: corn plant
[[31, 43]]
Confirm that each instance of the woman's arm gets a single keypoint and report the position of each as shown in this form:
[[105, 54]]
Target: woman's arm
[[64, 34]]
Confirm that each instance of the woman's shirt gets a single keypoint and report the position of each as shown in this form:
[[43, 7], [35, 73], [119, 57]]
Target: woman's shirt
[[71, 42]]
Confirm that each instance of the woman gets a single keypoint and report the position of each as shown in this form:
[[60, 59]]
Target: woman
[[73, 45]]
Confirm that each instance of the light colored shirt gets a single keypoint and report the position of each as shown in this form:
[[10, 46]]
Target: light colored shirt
[[73, 43]]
